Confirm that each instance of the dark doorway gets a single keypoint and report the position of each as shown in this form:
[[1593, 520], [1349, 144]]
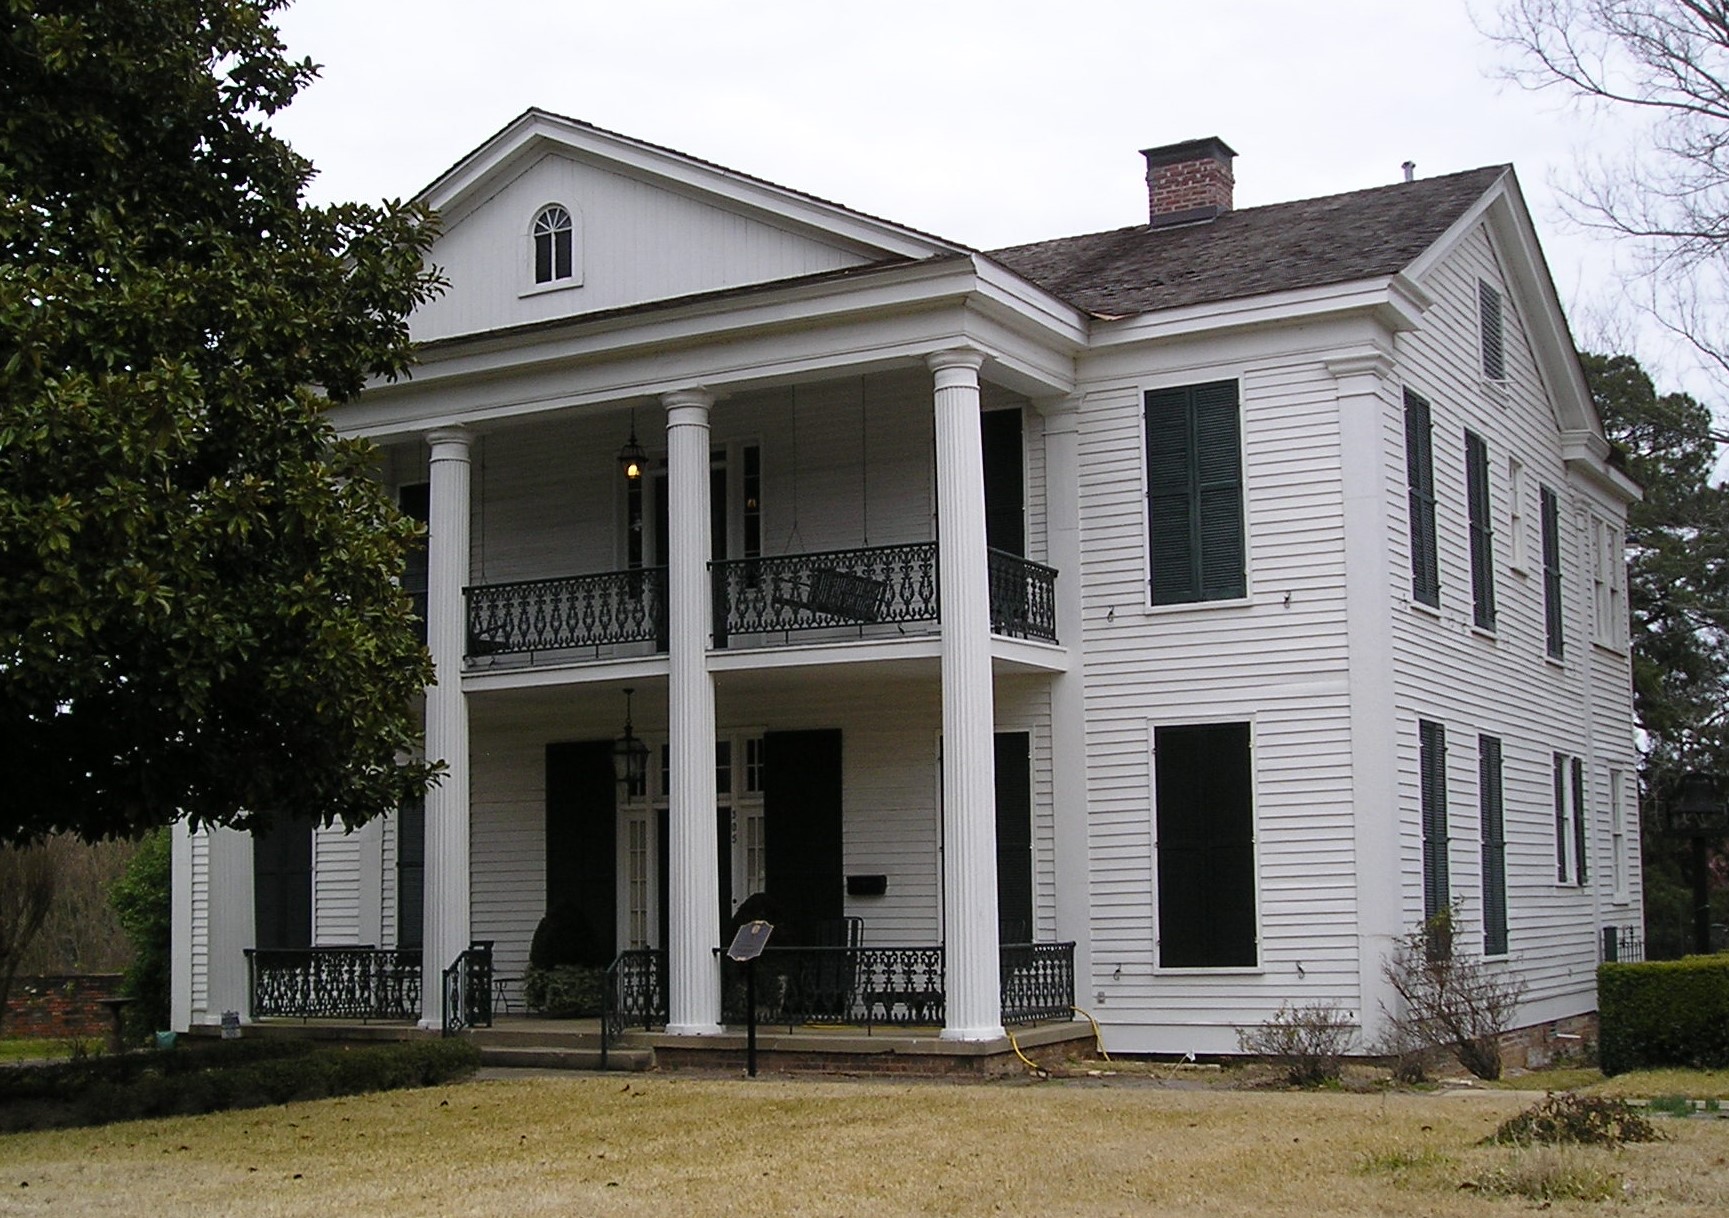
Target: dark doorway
[[801, 806], [1005, 481], [1014, 837], [282, 884], [581, 839]]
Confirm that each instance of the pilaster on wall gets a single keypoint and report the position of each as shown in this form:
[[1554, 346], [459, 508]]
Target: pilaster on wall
[[1068, 688], [1365, 396], [447, 813], [974, 1003], [694, 887], [232, 924]]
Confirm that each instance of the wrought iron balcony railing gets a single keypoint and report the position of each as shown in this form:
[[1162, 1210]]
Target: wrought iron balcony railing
[[882, 586], [1038, 981], [334, 983], [1023, 597], [578, 612]]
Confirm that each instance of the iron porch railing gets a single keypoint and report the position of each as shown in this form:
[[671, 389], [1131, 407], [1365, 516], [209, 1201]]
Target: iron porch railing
[[467, 989], [888, 587], [634, 996], [1038, 981], [574, 613], [1623, 945], [363, 983], [1023, 597]]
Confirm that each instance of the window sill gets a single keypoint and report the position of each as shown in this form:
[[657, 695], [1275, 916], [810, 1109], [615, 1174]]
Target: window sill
[[1496, 390], [1424, 608], [1614, 649], [1486, 633], [1239, 602], [557, 285]]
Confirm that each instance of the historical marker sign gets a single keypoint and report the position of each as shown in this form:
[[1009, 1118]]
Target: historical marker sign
[[752, 937]]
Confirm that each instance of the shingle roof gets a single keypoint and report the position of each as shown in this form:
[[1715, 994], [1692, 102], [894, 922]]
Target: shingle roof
[[1337, 239]]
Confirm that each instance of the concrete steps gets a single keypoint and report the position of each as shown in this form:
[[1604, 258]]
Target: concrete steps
[[527, 1048]]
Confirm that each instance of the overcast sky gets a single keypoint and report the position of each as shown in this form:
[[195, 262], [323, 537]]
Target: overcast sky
[[989, 122]]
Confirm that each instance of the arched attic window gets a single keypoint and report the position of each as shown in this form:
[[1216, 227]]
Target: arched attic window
[[553, 242]]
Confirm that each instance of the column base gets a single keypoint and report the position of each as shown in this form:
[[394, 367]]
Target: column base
[[695, 1029], [996, 1033]]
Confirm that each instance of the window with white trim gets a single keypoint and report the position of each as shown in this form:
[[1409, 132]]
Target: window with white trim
[[1521, 557], [1194, 467], [1204, 817], [1432, 773], [1420, 485], [1572, 850], [1491, 812], [1608, 587], [1482, 531], [554, 233], [1620, 789]]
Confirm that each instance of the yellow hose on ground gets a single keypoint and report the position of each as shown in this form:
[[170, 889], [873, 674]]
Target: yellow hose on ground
[[1098, 1037], [1030, 1063]]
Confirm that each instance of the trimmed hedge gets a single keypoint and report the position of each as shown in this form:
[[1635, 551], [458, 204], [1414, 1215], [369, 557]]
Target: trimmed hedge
[[1664, 1013], [219, 1076]]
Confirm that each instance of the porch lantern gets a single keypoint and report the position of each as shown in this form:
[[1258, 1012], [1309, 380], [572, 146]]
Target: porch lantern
[[629, 754], [632, 458]]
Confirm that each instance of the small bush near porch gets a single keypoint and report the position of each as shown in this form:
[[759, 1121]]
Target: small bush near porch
[[694, 1147]]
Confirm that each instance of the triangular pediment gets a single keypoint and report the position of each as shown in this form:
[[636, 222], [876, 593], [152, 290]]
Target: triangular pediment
[[648, 225]]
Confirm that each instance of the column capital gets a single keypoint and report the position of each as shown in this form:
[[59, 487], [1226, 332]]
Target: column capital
[[450, 443], [687, 406], [957, 359], [1375, 364]]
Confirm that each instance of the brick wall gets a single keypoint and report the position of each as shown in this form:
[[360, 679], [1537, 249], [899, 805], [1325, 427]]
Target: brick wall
[[1188, 186], [60, 1006]]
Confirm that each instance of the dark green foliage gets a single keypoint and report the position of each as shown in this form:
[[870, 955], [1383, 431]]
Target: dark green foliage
[[217, 1076], [1664, 1013], [141, 898], [200, 612], [566, 991], [566, 936], [1678, 604], [1576, 1120]]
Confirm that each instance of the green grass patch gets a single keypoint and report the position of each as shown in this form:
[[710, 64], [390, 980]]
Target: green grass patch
[[37, 1048], [1645, 1084], [1547, 1174]]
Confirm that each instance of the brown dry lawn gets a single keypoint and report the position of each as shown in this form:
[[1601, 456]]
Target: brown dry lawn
[[688, 1147]]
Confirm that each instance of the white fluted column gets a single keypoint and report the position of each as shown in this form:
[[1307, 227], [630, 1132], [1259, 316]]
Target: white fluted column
[[974, 1003], [446, 922], [693, 886]]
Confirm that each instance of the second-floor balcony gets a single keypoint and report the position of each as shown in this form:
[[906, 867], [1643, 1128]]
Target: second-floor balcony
[[870, 592]]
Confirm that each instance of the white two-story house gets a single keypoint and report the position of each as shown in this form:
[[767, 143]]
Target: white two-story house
[[1220, 595]]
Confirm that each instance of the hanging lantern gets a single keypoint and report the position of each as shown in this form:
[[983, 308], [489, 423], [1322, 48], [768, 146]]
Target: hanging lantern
[[629, 754], [631, 458]]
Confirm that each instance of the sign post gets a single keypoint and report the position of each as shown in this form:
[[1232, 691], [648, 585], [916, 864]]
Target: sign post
[[746, 946]]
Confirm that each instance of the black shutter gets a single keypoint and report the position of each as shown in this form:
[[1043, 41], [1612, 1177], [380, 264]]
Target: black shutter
[[411, 873], [801, 809], [1581, 825], [1195, 493], [581, 835], [1206, 855], [1014, 799], [1494, 846], [1432, 741], [1482, 533], [1494, 344], [1420, 478], [1552, 619]]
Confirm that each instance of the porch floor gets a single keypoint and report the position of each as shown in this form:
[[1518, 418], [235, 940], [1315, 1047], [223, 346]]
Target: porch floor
[[528, 1041]]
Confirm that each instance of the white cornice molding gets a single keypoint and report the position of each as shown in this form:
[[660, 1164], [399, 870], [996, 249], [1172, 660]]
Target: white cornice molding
[[1394, 301]]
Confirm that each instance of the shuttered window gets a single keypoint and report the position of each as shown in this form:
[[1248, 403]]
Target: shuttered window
[[1581, 825], [411, 873], [1552, 573], [1432, 765], [1494, 832], [1482, 531], [1195, 493], [1203, 790], [1420, 477], [1493, 339], [1561, 816]]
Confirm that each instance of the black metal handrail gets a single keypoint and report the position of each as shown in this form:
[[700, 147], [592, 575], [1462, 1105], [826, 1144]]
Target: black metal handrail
[[576, 612], [467, 989], [634, 996], [879, 586], [1023, 597], [1623, 945], [1038, 981], [361, 983]]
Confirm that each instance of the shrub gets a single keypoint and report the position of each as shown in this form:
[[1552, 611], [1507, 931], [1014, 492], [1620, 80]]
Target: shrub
[[220, 1076], [141, 900], [1664, 1013], [1309, 1042], [1575, 1120], [566, 991], [566, 936], [1449, 999]]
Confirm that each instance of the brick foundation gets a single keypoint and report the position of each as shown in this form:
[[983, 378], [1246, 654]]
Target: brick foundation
[[60, 1006], [1543, 1044]]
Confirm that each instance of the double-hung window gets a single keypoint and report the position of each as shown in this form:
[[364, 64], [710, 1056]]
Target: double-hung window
[[1572, 836], [1195, 493], [1203, 790], [1482, 531], [1420, 479]]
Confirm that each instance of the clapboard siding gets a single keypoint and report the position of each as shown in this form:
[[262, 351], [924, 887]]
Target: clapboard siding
[[1501, 685], [200, 928], [336, 881], [1277, 661], [639, 242]]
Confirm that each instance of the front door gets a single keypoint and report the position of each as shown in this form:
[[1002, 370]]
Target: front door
[[581, 869], [802, 831]]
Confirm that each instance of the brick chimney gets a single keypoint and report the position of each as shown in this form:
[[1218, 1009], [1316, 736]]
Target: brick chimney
[[1189, 181]]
